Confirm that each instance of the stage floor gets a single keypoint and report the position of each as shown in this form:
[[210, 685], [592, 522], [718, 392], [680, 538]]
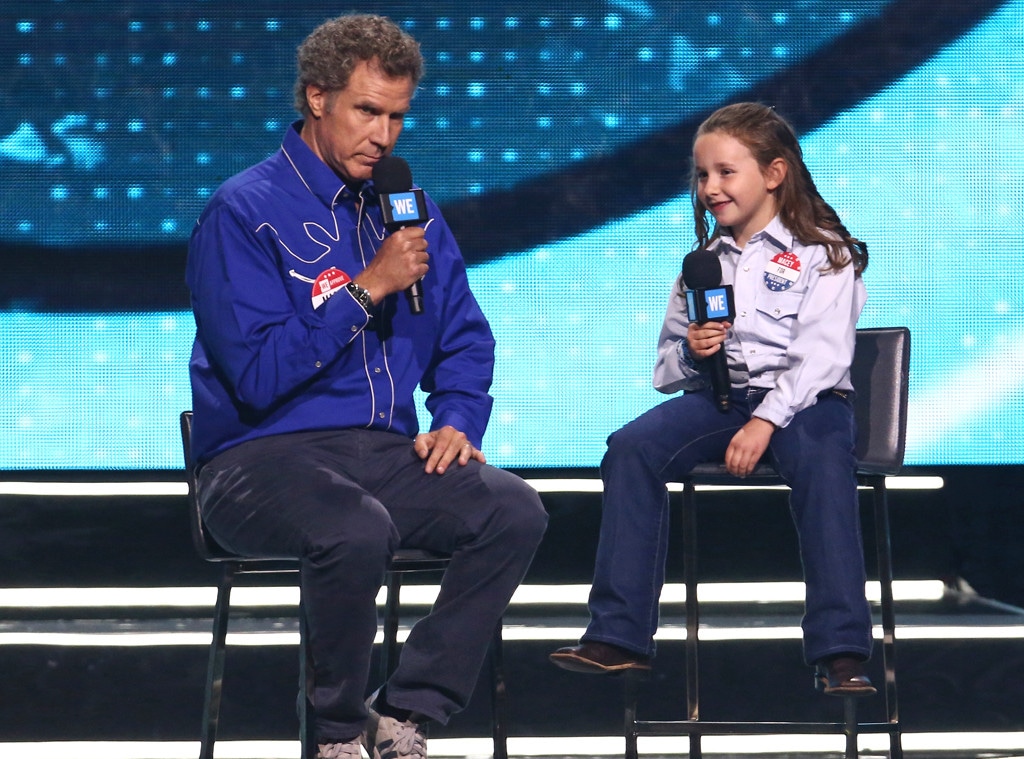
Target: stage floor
[[102, 681]]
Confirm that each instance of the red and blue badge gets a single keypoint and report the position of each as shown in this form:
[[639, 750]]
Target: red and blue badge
[[327, 284], [782, 272]]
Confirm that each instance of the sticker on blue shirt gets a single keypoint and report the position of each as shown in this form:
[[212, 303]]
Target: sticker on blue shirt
[[327, 284], [782, 272]]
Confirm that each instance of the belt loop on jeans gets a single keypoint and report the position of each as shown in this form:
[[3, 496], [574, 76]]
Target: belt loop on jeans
[[756, 394]]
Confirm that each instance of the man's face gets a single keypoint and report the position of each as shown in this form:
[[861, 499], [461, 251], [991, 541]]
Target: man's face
[[351, 129]]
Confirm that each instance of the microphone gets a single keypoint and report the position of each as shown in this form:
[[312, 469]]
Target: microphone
[[402, 206], [707, 299]]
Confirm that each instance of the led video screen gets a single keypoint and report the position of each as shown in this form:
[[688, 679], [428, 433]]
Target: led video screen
[[556, 137]]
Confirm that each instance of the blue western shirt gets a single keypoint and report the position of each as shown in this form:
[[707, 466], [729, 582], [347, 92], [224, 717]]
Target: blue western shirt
[[282, 347]]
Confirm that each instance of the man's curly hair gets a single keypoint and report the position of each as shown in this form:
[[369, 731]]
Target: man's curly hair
[[328, 56]]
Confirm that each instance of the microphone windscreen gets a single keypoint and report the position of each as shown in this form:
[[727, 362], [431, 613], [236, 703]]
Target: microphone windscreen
[[702, 270], [392, 174]]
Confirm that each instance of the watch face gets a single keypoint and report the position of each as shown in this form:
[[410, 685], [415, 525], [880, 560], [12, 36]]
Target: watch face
[[361, 295]]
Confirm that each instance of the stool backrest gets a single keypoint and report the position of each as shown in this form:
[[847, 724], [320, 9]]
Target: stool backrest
[[204, 543], [880, 375]]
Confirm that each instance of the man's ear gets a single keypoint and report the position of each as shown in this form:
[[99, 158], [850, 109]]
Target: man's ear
[[316, 99], [775, 173]]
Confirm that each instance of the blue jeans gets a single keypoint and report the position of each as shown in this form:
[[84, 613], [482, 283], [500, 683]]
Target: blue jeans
[[814, 454], [342, 502]]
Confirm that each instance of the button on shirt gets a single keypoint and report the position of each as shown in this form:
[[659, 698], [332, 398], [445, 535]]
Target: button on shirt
[[794, 329]]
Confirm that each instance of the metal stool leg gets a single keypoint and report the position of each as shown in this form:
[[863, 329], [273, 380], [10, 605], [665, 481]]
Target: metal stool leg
[[389, 647], [850, 726], [215, 668], [692, 613], [885, 573], [632, 687], [307, 721], [499, 696]]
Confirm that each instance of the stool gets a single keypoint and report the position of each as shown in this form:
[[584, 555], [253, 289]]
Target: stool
[[403, 562], [880, 374]]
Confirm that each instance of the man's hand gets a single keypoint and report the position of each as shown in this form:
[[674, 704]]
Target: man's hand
[[440, 448], [748, 446], [401, 260]]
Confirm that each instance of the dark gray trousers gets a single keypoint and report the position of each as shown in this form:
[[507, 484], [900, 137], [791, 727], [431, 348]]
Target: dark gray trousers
[[342, 502]]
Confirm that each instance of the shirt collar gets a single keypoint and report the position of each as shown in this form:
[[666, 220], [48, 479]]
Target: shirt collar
[[774, 234], [318, 177]]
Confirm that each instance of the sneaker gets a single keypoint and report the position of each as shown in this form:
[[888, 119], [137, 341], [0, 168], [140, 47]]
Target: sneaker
[[388, 738], [352, 749]]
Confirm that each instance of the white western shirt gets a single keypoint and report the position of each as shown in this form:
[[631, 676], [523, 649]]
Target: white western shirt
[[794, 329]]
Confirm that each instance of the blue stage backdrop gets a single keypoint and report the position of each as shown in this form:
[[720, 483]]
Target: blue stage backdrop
[[556, 136]]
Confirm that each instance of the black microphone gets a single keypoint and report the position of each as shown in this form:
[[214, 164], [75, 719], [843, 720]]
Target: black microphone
[[402, 206], [707, 299]]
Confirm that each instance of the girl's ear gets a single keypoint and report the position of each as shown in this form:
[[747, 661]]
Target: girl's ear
[[775, 173]]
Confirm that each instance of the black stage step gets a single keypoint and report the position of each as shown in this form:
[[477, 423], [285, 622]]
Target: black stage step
[[960, 662]]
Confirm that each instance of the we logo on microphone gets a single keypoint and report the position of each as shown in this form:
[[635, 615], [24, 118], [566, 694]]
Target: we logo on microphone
[[404, 208], [717, 303], [710, 304]]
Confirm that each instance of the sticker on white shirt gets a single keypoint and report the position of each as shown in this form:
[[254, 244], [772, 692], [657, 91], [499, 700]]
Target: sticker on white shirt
[[782, 272], [327, 284]]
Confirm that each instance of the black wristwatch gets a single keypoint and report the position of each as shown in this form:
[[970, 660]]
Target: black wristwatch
[[362, 296]]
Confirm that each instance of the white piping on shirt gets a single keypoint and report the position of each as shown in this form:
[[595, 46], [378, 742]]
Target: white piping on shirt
[[360, 231]]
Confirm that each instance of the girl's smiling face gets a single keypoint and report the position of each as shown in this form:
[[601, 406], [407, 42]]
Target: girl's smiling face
[[733, 187]]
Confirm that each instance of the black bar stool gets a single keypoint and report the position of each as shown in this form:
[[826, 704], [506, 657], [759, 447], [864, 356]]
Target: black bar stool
[[404, 562], [880, 374]]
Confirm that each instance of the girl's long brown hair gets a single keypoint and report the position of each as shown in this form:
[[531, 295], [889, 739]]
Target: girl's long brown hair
[[802, 209]]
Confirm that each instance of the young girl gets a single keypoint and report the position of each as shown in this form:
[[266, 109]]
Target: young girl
[[795, 271]]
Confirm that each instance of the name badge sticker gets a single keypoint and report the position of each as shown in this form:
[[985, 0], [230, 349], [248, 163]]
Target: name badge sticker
[[327, 284], [782, 272]]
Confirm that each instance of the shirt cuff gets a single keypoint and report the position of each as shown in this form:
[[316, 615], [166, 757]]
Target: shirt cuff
[[685, 357]]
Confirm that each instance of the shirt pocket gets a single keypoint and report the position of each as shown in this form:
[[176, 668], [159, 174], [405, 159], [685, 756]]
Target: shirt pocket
[[776, 316]]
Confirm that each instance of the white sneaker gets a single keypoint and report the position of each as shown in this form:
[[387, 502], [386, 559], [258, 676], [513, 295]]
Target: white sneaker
[[387, 738], [352, 749]]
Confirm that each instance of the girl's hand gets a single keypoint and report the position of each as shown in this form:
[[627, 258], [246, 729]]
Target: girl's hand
[[706, 339], [748, 446]]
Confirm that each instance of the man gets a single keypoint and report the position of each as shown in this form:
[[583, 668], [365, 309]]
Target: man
[[303, 371]]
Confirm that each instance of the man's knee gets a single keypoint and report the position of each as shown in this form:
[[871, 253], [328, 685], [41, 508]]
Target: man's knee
[[522, 513], [364, 535]]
